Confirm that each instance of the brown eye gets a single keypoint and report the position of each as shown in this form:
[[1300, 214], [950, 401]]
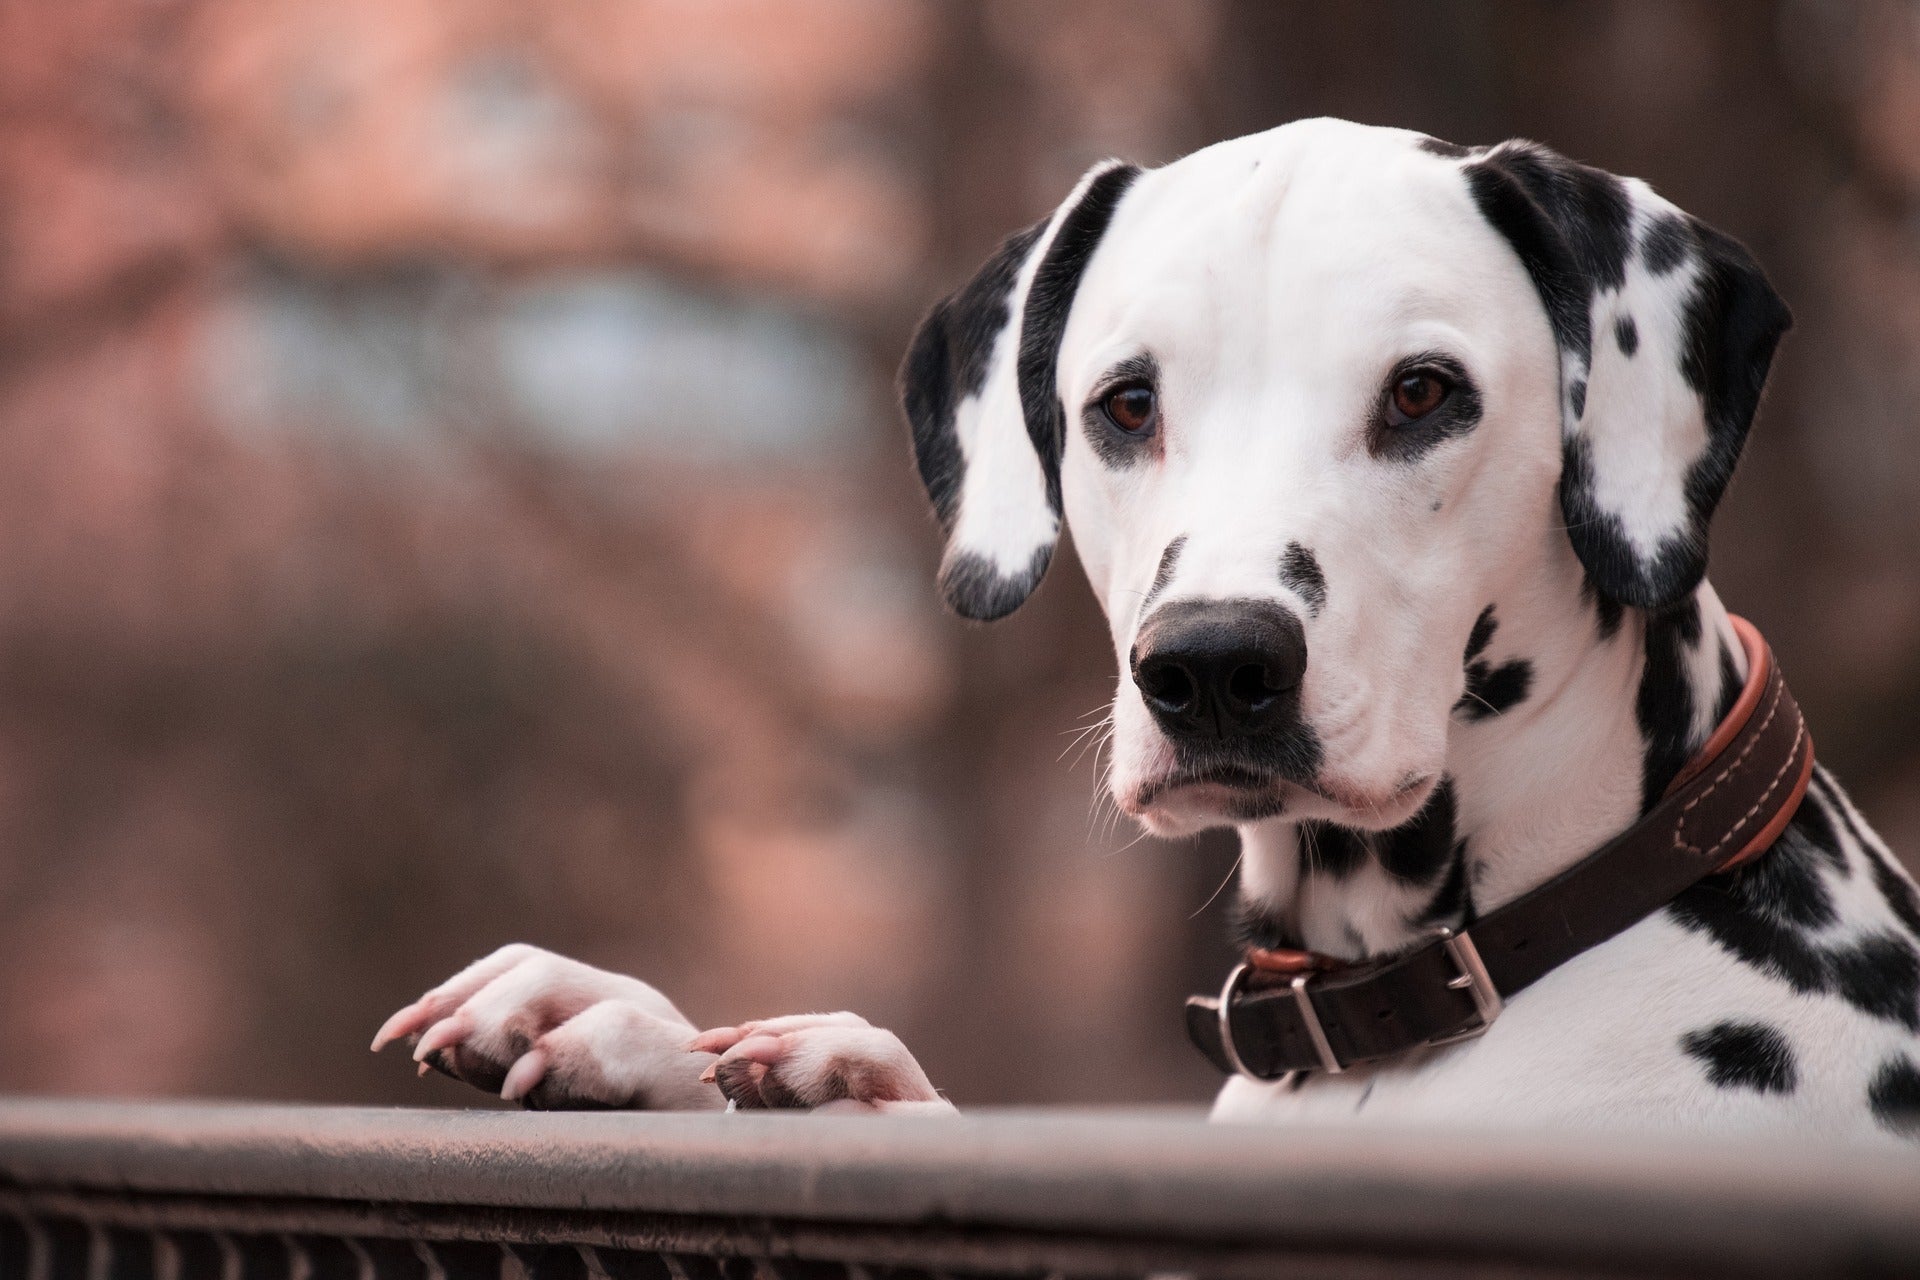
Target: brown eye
[[1130, 409], [1415, 395]]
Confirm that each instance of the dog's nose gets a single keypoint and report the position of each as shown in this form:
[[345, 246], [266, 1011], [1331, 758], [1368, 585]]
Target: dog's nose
[[1220, 668]]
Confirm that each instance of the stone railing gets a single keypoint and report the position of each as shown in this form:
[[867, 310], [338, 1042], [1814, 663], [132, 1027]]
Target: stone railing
[[138, 1191]]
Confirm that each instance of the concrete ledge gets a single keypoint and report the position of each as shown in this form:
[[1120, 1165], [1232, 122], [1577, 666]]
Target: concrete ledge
[[1540, 1202]]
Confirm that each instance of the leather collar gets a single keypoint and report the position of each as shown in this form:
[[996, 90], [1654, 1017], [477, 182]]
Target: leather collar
[[1284, 1011]]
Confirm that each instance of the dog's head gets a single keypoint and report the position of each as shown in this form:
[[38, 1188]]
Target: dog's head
[[1312, 398]]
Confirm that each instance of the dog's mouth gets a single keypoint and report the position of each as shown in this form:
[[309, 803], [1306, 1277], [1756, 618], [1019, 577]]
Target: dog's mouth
[[1234, 791], [1239, 793]]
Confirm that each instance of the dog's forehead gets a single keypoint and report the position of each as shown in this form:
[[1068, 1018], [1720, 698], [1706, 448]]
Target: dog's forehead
[[1318, 209], [1315, 221]]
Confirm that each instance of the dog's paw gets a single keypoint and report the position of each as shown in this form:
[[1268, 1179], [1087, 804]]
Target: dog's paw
[[825, 1061], [553, 1033]]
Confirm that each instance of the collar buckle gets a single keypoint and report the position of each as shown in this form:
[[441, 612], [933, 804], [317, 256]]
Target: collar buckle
[[1474, 979]]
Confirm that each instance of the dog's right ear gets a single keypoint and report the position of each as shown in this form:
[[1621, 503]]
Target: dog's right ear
[[979, 389]]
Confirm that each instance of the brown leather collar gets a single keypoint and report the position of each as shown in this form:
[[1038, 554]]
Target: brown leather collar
[[1286, 1011]]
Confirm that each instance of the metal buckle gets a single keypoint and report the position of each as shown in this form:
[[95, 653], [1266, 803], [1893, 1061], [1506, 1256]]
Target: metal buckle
[[1226, 1023], [1475, 980], [1315, 1032], [1227, 1045]]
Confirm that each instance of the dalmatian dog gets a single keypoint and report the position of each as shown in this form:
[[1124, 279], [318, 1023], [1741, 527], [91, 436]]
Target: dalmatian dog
[[1391, 463]]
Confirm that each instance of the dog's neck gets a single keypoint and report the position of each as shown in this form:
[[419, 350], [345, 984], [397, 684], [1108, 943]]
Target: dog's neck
[[1615, 702]]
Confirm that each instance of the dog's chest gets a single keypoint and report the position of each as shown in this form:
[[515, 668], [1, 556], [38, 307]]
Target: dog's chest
[[1787, 999]]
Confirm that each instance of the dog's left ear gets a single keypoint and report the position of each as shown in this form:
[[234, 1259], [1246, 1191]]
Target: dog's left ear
[[978, 385], [1666, 329]]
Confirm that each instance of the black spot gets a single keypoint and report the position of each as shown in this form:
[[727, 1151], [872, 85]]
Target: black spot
[[1744, 1055], [1163, 575], [1577, 397], [1607, 611], [1445, 150], [1332, 851], [1665, 245], [1049, 299], [1419, 848], [1894, 1096], [1416, 851], [1491, 690], [1452, 902], [1763, 912], [1627, 335], [977, 590], [1822, 834], [1880, 975], [1300, 570], [1482, 634], [1665, 703], [947, 362]]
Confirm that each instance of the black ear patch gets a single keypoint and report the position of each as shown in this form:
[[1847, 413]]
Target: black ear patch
[[1049, 300], [947, 362], [1603, 251], [978, 388], [982, 593]]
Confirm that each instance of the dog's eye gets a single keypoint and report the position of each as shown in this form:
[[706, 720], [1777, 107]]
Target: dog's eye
[[1130, 408], [1416, 393]]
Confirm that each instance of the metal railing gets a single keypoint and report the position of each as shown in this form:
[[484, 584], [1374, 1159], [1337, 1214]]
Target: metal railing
[[180, 1191]]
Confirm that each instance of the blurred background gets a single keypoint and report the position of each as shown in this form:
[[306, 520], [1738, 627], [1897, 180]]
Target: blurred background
[[450, 493]]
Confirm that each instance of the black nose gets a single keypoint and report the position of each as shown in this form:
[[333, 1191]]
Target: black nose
[[1220, 668]]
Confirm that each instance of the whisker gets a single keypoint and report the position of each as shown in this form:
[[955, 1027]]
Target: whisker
[[1231, 872]]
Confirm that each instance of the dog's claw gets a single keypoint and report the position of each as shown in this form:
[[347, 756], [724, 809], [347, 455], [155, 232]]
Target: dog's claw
[[526, 1073], [715, 1040], [400, 1024], [443, 1034]]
